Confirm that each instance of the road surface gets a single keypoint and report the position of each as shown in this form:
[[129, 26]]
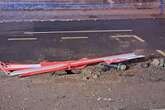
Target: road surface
[[135, 89], [62, 40]]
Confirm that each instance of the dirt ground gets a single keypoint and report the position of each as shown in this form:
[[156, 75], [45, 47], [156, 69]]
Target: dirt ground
[[134, 89]]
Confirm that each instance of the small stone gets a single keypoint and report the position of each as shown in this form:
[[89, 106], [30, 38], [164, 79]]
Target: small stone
[[86, 78], [9, 96], [155, 62], [95, 76], [162, 62], [145, 65], [107, 99], [98, 99]]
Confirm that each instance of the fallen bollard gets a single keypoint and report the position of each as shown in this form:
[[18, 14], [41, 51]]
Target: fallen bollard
[[24, 70]]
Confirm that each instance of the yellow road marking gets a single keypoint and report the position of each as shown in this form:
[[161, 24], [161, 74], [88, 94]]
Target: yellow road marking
[[161, 52]]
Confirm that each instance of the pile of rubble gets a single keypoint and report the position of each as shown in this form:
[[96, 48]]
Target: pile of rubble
[[149, 66]]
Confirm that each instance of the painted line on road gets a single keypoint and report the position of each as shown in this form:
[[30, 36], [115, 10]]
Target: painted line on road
[[70, 38], [159, 109], [161, 52], [129, 36], [21, 39], [82, 31], [138, 38]]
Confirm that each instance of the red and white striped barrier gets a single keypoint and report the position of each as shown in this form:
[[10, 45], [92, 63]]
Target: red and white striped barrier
[[24, 70]]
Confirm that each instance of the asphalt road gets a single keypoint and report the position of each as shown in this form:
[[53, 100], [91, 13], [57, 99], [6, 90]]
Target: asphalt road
[[62, 40]]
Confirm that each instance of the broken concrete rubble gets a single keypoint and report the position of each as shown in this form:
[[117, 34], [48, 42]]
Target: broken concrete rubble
[[158, 62]]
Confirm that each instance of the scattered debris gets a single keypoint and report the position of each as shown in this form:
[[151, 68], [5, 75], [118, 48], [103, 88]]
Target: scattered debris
[[88, 68], [104, 99], [145, 65], [91, 72], [24, 70], [119, 66], [158, 62]]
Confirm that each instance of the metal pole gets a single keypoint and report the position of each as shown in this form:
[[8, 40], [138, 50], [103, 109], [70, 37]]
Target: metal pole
[[161, 7]]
